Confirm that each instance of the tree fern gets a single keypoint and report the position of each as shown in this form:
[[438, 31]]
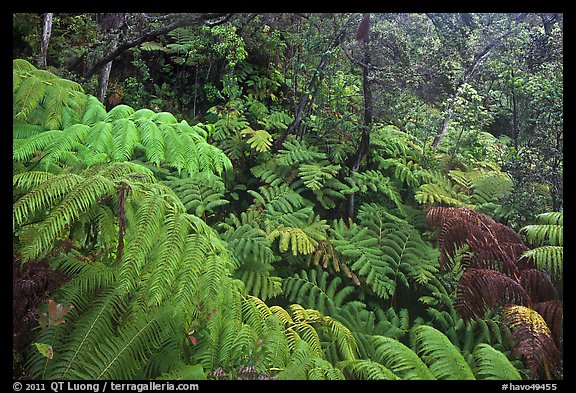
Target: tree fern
[[304, 364], [316, 289], [365, 369], [201, 194], [533, 339], [259, 140], [373, 181], [277, 199], [248, 243], [548, 231], [361, 251], [98, 136], [435, 194], [86, 192], [442, 357], [547, 236], [258, 281], [400, 359], [119, 357], [42, 98], [406, 172], [316, 174], [296, 152], [493, 364]]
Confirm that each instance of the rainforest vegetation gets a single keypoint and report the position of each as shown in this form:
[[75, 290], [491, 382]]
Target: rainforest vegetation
[[287, 196]]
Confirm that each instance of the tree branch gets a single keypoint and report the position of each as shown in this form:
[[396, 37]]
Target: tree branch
[[187, 20]]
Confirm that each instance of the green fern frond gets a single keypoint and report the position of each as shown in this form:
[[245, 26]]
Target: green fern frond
[[435, 194], [361, 250], [169, 252], [259, 140], [400, 359], [26, 130], [26, 180], [69, 139], [248, 243], [306, 364], [188, 372], [316, 174], [493, 364], [296, 152], [315, 289], [491, 188], [119, 112], [200, 194], [365, 369], [276, 352], [120, 357], [95, 111], [442, 357], [26, 148], [152, 139], [404, 171], [281, 199], [85, 195], [258, 280], [50, 191], [294, 239], [548, 258], [125, 137], [28, 97], [551, 218], [91, 327], [373, 181], [544, 234]]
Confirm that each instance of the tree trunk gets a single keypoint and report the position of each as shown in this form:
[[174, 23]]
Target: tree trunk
[[305, 100], [46, 33], [111, 24], [104, 81], [365, 138]]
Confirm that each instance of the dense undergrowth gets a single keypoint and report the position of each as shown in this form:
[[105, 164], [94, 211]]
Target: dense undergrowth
[[149, 247]]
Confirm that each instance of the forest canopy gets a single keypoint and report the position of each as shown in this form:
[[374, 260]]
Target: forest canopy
[[288, 196]]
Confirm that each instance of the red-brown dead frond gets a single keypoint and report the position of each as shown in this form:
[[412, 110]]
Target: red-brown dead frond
[[491, 244], [553, 313], [538, 284], [479, 289], [532, 339], [437, 216]]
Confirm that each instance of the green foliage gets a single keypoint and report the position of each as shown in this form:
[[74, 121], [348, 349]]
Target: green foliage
[[548, 236], [260, 140], [315, 289], [194, 249], [394, 255], [94, 136], [201, 194]]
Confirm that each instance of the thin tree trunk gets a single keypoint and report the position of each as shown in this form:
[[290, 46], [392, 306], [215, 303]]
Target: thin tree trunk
[[305, 100], [478, 59], [365, 138], [46, 33], [112, 23], [103, 81]]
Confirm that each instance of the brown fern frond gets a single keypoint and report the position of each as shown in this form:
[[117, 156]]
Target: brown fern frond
[[437, 216], [532, 339], [553, 313], [538, 285], [453, 236], [479, 289], [490, 244]]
